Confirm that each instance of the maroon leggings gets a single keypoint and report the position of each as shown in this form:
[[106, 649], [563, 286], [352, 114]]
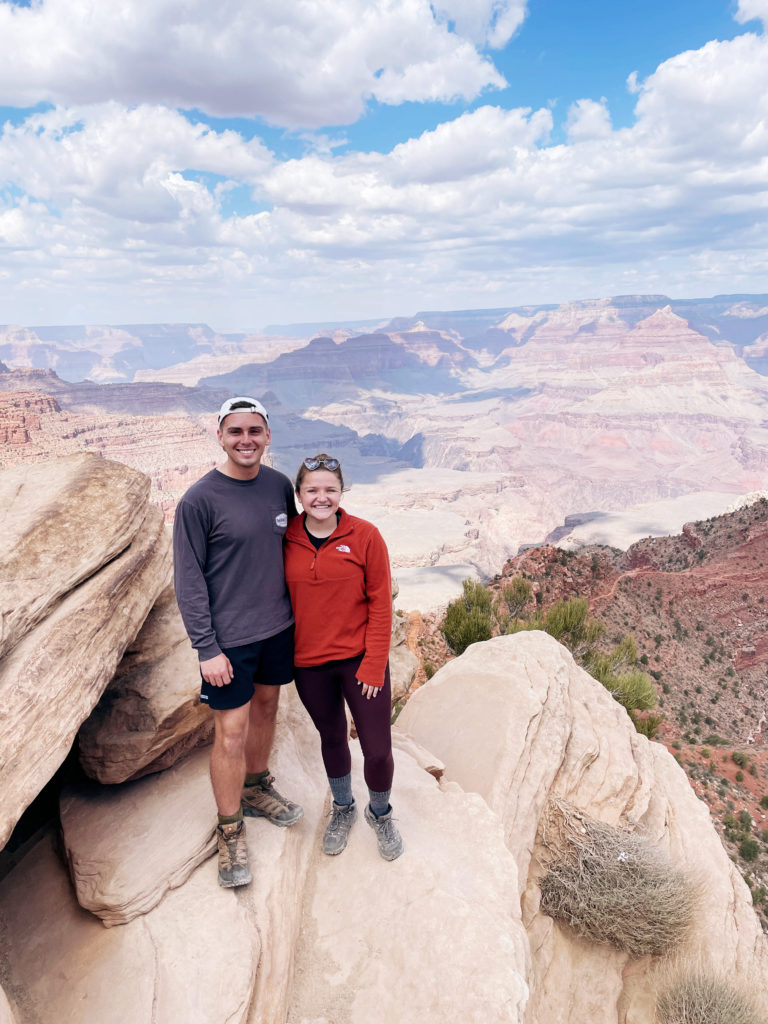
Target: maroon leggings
[[323, 690]]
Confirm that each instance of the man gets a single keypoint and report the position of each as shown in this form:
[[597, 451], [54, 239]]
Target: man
[[230, 586]]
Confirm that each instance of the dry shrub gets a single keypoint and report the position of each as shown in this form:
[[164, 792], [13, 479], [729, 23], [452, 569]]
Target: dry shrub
[[699, 996], [611, 885]]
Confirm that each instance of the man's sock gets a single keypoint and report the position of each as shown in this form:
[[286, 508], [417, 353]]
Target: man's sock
[[231, 819], [342, 790], [254, 778], [379, 802]]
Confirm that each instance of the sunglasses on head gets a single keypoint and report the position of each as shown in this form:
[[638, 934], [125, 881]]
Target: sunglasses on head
[[316, 461]]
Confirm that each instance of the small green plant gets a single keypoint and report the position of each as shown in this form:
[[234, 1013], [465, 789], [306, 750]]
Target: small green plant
[[739, 757], [648, 725], [749, 849], [764, 801], [515, 595], [468, 618], [429, 669]]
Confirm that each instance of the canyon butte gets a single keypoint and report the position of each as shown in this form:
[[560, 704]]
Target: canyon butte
[[464, 435]]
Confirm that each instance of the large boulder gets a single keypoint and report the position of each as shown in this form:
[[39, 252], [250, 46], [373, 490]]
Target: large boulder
[[193, 958], [128, 845], [434, 936], [53, 678], [62, 521], [144, 835], [518, 722], [150, 715]]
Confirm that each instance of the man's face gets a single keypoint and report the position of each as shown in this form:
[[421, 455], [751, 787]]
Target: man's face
[[244, 436]]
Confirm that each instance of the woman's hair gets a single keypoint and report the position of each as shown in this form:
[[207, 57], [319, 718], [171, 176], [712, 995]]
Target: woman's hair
[[320, 457]]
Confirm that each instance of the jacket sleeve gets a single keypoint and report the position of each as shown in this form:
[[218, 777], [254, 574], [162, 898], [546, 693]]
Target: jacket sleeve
[[190, 543], [378, 632]]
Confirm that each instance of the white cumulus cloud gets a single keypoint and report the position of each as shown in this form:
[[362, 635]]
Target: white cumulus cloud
[[308, 63], [485, 21], [133, 208], [588, 120], [749, 9]]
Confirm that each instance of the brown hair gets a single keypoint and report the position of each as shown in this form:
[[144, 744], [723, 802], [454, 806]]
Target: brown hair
[[303, 470]]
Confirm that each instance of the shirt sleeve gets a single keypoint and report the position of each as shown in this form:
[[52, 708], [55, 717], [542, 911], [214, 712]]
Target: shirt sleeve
[[190, 544], [378, 632]]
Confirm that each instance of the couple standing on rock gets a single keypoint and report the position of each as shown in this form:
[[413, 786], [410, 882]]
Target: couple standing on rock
[[237, 541]]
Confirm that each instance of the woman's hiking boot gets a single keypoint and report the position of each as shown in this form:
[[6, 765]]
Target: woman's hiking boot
[[343, 817], [389, 839], [233, 855], [264, 801]]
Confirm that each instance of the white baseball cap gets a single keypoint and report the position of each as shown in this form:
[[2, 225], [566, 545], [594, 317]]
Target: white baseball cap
[[242, 404]]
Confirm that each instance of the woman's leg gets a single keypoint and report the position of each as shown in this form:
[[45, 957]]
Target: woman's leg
[[320, 691], [373, 723]]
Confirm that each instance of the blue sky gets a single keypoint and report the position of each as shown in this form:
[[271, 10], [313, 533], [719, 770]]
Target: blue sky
[[245, 164]]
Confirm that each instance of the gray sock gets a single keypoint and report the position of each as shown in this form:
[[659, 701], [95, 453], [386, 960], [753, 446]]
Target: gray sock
[[342, 790], [379, 802]]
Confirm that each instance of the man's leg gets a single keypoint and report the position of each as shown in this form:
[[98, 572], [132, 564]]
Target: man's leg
[[227, 775], [228, 758], [259, 797], [262, 715]]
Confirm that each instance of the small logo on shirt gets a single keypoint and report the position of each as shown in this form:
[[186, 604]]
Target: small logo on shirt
[[281, 519], [342, 547]]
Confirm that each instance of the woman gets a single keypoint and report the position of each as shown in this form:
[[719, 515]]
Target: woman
[[337, 570]]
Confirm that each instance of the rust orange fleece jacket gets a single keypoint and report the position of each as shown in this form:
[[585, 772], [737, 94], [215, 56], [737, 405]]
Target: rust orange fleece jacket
[[341, 596]]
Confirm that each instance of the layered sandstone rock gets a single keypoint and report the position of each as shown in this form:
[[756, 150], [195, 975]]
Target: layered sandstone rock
[[434, 936], [62, 521], [193, 958], [53, 677], [515, 720], [150, 715], [128, 845]]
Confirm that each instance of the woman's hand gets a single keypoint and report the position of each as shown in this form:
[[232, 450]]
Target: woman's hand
[[368, 691]]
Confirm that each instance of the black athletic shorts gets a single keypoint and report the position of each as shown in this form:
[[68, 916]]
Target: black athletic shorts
[[268, 661]]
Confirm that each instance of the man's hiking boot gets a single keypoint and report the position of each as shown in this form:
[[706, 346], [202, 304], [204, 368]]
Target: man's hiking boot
[[233, 855], [389, 839], [264, 801], [343, 817]]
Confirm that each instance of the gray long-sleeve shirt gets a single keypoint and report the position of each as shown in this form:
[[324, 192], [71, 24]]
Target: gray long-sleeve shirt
[[228, 559]]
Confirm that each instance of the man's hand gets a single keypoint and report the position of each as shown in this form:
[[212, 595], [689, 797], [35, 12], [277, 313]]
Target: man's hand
[[217, 671]]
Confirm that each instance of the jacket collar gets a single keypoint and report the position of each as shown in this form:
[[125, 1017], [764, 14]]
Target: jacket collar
[[295, 531]]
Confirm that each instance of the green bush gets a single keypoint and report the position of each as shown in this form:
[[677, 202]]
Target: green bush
[[468, 618], [515, 595], [749, 849], [739, 758], [713, 740], [634, 690], [648, 725]]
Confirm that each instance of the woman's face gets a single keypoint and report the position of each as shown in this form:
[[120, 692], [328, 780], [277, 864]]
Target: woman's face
[[320, 494]]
